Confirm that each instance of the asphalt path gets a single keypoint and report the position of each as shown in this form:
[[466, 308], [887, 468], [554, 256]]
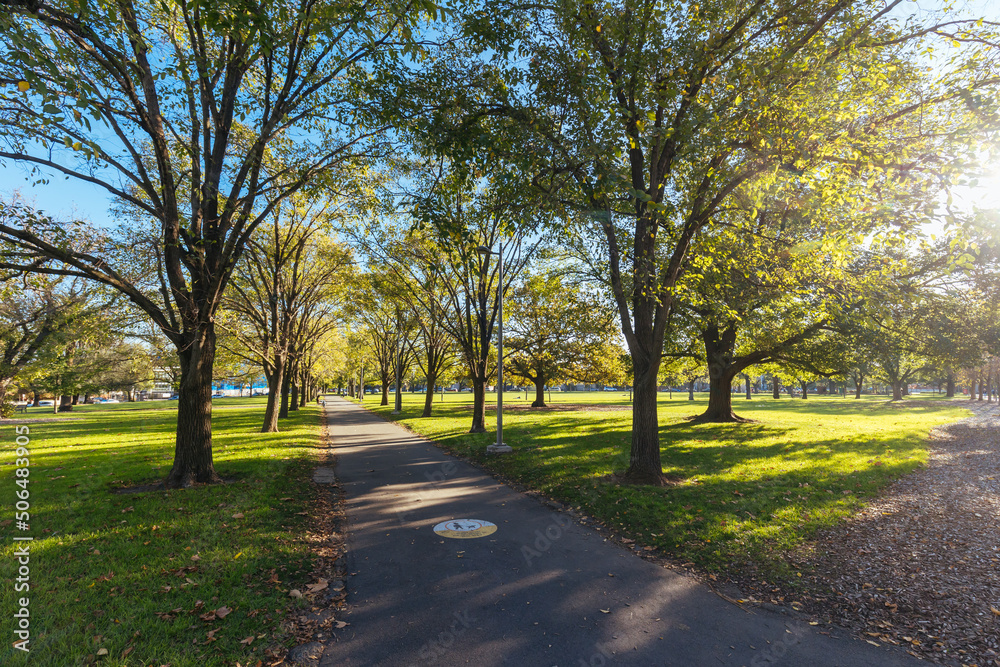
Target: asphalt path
[[541, 590]]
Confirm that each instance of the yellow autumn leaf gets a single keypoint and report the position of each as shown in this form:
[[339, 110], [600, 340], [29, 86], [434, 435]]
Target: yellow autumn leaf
[[23, 86]]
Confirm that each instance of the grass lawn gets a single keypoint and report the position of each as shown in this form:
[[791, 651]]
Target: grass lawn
[[748, 494], [143, 576]]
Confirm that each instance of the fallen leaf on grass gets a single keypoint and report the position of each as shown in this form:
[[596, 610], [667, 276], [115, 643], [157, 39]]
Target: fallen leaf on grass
[[127, 651], [295, 593], [238, 515], [196, 557], [222, 612], [248, 640], [102, 651], [211, 637]]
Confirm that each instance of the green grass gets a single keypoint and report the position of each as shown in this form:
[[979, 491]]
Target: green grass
[[114, 571], [748, 494]]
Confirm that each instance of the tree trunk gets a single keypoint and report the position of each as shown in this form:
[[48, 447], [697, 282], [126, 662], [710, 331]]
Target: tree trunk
[[720, 399], [691, 389], [775, 387], [805, 389], [950, 385], [981, 383], [76, 399], [286, 383], [539, 401], [897, 391], [304, 389], [478, 405], [748, 387], [274, 382], [293, 404], [644, 460], [193, 446], [65, 403], [385, 392], [429, 396], [858, 383]]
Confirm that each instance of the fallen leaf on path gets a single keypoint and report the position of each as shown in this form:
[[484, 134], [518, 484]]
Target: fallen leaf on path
[[605, 611], [318, 586]]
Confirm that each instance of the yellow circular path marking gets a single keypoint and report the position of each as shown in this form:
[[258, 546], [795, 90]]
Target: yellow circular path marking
[[464, 529]]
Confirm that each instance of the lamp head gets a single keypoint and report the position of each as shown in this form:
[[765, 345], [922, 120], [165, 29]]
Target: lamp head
[[483, 250]]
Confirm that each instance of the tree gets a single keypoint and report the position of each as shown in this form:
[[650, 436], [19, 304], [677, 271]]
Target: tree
[[647, 119], [191, 115], [34, 311], [283, 294], [463, 211], [557, 331], [379, 306], [412, 256]]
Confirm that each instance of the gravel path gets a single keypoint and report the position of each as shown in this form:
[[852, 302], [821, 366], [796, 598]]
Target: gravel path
[[921, 566]]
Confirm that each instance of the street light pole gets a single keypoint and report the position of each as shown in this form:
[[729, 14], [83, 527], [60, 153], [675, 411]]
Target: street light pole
[[499, 447]]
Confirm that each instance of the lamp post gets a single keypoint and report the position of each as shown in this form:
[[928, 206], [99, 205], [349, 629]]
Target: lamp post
[[499, 447]]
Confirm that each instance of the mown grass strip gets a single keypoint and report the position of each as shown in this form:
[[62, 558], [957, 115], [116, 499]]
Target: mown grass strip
[[143, 576]]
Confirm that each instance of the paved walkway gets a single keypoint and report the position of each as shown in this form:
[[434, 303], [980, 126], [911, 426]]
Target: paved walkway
[[541, 590]]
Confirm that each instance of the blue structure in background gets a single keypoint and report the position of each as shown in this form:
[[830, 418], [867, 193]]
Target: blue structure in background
[[256, 384]]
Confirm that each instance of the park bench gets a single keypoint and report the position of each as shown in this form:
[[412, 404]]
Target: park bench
[[23, 407]]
